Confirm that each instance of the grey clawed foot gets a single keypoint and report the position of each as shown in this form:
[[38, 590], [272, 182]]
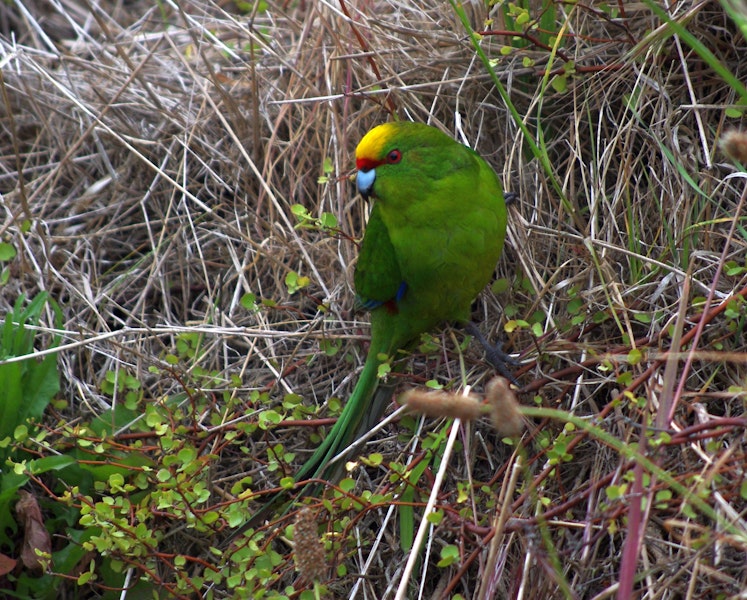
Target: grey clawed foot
[[494, 354]]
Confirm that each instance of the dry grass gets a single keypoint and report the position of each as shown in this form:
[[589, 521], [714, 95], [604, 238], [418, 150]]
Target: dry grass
[[149, 159]]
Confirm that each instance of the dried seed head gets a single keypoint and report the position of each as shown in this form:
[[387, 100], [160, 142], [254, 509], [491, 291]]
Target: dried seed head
[[443, 404], [309, 550], [504, 408], [734, 144]]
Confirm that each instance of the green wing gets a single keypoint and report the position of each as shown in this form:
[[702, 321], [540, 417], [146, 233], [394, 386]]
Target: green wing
[[377, 275]]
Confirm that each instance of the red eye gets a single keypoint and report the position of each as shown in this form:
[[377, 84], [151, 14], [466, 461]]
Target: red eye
[[394, 157]]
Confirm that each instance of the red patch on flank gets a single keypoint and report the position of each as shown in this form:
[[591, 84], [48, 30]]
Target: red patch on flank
[[391, 307]]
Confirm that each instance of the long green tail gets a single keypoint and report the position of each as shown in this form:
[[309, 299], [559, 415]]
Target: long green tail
[[362, 411]]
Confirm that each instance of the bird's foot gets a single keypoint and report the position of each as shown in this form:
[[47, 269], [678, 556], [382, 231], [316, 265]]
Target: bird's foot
[[494, 353]]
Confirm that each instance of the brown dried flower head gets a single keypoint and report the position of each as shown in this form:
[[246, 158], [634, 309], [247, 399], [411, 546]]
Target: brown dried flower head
[[734, 144], [309, 550], [443, 404], [504, 408]]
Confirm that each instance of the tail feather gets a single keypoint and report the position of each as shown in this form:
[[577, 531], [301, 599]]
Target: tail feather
[[362, 411]]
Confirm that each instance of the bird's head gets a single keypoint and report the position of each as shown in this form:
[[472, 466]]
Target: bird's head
[[378, 147], [402, 163]]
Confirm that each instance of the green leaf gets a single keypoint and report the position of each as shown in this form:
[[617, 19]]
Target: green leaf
[[249, 301], [330, 347], [383, 370], [635, 356], [615, 492], [514, 324], [347, 485], [435, 517], [7, 252], [575, 306], [57, 462], [559, 83], [449, 555], [328, 220], [500, 286], [268, 418], [295, 282]]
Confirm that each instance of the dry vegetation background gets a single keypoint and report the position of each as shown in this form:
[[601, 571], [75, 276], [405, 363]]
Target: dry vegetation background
[[150, 154]]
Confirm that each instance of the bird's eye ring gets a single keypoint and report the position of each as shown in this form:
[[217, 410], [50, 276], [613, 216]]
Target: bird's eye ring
[[394, 157]]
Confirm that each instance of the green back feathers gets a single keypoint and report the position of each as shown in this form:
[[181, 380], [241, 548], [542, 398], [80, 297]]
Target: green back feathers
[[438, 226]]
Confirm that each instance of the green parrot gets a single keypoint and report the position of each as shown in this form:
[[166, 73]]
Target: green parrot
[[433, 239], [432, 242]]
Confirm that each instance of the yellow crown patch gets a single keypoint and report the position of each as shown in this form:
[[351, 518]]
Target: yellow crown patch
[[372, 144]]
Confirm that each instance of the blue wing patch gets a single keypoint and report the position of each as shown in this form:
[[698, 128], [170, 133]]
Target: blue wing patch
[[391, 304]]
